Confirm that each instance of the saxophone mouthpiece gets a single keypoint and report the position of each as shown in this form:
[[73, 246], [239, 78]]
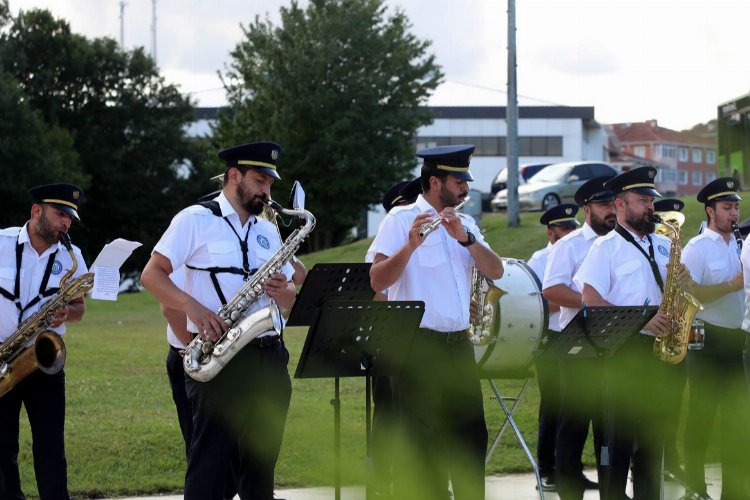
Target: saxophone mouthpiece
[[275, 206], [65, 240], [655, 218]]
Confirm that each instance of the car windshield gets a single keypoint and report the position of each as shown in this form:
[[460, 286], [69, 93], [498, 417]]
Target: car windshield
[[553, 173]]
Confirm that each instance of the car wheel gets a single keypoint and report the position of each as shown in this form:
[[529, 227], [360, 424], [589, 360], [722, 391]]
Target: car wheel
[[549, 201]]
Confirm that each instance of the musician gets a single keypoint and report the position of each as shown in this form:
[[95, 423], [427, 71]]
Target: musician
[[628, 266], [33, 263], [221, 244], [716, 378], [580, 392], [560, 220], [673, 399], [440, 395]]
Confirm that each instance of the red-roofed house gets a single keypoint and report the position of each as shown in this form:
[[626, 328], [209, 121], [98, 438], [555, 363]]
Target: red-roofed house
[[686, 160]]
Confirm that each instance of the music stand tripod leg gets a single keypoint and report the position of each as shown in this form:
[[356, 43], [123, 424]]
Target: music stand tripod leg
[[336, 403], [501, 432], [512, 422]]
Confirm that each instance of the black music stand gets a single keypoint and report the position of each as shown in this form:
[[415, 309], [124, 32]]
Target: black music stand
[[357, 338]]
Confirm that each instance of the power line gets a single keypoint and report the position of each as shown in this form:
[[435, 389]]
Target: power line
[[500, 91]]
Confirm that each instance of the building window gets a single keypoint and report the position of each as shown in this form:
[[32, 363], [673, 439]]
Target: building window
[[710, 176], [697, 178], [668, 151], [496, 146], [640, 151], [666, 175], [682, 177], [711, 157], [683, 154], [697, 156]]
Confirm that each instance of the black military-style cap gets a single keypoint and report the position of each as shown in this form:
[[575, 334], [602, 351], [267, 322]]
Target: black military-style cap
[[393, 195], [669, 205], [560, 215], [721, 189], [65, 197], [641, 180], [593, 191], [210, 196], [260, 156], [450, 159], [411, 190]]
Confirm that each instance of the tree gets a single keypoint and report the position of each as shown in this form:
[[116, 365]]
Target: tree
[[127, 125], [339, 86]]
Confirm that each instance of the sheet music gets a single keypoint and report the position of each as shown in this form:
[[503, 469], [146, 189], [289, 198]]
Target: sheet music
[[106, 268]]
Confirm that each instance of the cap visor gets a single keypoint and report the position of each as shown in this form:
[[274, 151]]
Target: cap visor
[[68, 210], [567, 223], [730, 197], [466, 176], [267, 171], [647, 192]]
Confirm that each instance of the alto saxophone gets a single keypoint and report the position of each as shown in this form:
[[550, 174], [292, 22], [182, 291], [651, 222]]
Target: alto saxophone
[[32, 346], [679, 306], [204, 359], [486, 295]]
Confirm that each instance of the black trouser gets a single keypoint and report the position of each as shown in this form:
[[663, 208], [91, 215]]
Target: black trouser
[[176, 374], [43, 396], [716, 380], [442, 409], [581, 404], [548, 378], [672, 406], [384, 423], [243, 408], [637, 385]]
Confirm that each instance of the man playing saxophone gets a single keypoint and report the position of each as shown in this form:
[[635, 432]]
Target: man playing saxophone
[[716, 378], [629, 266], [222, 244], [33, 261]]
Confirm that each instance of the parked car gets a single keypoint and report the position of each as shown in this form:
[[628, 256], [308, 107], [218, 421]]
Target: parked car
[[526, 171], [554, 184]]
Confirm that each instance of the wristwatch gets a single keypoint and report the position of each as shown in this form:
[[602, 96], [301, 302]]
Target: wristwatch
[[470, 240]]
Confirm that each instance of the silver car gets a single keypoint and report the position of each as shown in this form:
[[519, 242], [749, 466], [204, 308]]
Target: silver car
[[554, 184]]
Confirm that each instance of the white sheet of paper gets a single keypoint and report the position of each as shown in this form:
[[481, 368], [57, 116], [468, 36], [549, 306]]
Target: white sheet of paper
[[106, 268]]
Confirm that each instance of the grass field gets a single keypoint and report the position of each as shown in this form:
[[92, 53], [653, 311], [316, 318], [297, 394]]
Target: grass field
[[122, 435]]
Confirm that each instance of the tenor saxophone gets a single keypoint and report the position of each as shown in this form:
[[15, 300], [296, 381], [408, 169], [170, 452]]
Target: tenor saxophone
[[679, 306], [204, 359], [33, 346]]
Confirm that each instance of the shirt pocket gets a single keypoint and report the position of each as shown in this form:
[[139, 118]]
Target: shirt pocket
[[8, 278], [263, 255], [717, 271], [629, 278], [224, 254], [431, 253]]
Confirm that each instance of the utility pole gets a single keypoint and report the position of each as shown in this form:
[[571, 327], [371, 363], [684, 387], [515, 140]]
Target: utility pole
[[511, 118], [122, 24], [153, 29]]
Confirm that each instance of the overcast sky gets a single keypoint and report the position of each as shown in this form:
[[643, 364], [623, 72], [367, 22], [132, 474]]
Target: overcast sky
[[670, 60]]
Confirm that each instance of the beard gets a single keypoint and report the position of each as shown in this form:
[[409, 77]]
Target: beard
[[640, 224], [253, 204], [45, 231], [448, 199], [602, 225]]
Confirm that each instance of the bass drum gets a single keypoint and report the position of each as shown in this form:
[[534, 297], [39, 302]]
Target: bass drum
[[519, 323]]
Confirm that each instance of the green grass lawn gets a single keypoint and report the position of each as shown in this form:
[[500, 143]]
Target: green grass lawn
[[122, 435]]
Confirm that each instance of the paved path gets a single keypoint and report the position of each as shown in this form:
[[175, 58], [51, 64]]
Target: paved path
[[505, 487]]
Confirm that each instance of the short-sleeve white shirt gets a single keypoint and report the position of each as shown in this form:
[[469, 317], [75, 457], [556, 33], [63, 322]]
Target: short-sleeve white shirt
[[32, 270], [198, 238], [178, 278], [712, 260], [620, 273], [745, 259], [563, 262], [438, 272], [538, 264]]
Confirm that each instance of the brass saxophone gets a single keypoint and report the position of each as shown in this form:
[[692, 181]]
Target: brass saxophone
[[204, 359], [32, 346], [486, 295], [679, 306]]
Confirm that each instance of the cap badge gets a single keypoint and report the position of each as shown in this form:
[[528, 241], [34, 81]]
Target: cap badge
[[569, 211], [676, 206], [730, 184], [274, 154], [76, 194], [651, 174]]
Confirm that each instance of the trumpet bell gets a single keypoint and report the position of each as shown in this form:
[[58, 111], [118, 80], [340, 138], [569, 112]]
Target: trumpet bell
[[673, 217]]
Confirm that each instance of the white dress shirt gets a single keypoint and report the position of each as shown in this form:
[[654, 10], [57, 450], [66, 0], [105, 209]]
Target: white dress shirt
[[198, 238], [745, 259], [712, 260], [438, 272], [32, 270], [538, 264], [563, 262], [620, 273]]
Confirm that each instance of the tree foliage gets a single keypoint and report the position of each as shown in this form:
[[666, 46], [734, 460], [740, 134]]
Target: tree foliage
[[125, 124], [338, 85]]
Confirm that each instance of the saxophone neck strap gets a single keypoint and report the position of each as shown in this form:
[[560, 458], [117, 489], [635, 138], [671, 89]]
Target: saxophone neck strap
[[15, 297], [213, 271], [215, 209], [649, 256]]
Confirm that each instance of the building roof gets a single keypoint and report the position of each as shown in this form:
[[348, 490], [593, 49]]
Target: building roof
[[650, 131]]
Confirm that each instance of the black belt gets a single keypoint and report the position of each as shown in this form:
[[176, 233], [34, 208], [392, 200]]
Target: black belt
[[444, 337], [260, 342], [178, 350]]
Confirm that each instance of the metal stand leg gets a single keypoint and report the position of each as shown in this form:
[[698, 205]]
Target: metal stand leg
[[510, 420], [336, 402]]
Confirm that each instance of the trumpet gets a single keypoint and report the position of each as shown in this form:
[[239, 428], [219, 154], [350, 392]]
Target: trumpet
[[434, 223]]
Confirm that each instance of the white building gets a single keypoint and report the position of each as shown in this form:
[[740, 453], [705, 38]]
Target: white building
[[548, 134]]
